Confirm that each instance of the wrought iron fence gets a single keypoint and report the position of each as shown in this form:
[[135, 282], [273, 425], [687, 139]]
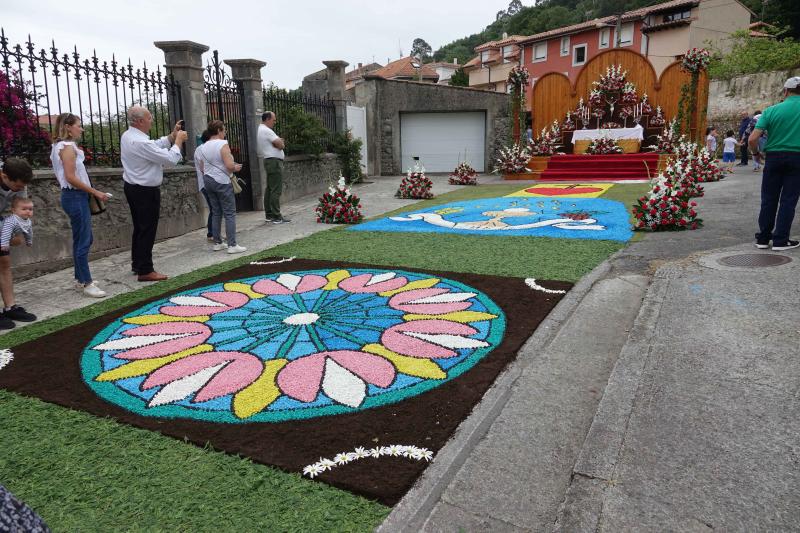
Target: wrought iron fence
[[35, 87], [293, 110]]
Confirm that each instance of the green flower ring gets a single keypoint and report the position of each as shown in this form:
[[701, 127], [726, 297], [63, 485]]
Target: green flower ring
[[292, 345]]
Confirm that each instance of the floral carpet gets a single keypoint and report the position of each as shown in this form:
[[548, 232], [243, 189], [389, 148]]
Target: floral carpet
[[565, 190], [570, 218], [292, 363]]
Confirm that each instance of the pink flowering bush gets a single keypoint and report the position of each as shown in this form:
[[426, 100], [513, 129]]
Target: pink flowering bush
[[19, 126]]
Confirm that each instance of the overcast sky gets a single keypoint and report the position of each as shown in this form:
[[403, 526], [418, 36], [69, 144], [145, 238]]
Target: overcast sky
[[293, 37]]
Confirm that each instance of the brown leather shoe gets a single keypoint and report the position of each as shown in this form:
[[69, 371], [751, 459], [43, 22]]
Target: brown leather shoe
[[152, 276]]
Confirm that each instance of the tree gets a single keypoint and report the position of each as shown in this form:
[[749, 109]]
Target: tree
[[514, 7], [421, 49], [459, 78]]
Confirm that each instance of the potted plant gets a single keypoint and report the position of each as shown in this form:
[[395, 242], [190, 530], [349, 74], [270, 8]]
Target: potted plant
[[513, 162]]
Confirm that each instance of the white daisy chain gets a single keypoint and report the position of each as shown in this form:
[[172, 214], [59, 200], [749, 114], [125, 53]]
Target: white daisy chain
[[6, 356], [531, 282], [393, 450], [273, 262]]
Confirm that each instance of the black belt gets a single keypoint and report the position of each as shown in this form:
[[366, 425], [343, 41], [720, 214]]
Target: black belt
[[278, 158]]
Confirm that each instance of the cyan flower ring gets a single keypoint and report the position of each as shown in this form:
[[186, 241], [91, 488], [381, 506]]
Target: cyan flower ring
[[292, 345]]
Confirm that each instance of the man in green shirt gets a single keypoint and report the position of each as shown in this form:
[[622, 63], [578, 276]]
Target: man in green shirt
[[780, 184]]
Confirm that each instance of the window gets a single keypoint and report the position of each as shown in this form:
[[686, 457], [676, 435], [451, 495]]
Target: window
[[578, 54], [564, 46], [605, 37], [626, 34], [507, 51], [670, 17], [485, 56], [509, 88], [540, 52]]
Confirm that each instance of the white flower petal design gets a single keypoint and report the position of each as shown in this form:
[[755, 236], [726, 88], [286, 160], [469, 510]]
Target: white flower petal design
[[273, 262], [444, 298], [448, 341], [393, 450], [290, 281], [199, 301], [531, 282], [343, 386], [380, 278], [137, 341], [183, 387], [6, 356]]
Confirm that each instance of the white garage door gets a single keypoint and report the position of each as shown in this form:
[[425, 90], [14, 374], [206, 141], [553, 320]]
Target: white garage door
[[441, 140]]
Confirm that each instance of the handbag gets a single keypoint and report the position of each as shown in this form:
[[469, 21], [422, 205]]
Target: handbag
[[236, 181], [96, 206]]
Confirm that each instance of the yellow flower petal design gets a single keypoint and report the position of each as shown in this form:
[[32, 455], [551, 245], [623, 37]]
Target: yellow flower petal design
[[334, 278], [419, 284], [413, 366], [259, 394], [244, 288], [146, 320], [463, 317], [140, 367]]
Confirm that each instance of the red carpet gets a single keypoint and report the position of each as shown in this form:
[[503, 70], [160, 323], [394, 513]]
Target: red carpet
[[582, 167]]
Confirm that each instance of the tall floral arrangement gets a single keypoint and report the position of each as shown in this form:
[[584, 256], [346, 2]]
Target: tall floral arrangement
[[613, 80], [513, 159], [19, 126], [464, 174], [415, 185], [518, 78], [658, 119], [629, 95], [339, 205], [669, 205], [668, 140], [694, 62]]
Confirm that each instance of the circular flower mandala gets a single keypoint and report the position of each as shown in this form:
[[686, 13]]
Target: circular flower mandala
[[292, 345]]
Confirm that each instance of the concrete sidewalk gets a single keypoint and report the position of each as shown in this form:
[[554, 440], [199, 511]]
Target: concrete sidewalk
[[54, 294], [697, 427]]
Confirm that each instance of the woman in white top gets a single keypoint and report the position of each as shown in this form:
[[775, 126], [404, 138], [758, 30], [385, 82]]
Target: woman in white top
[[201, 184], [217, 164], [68, 165]]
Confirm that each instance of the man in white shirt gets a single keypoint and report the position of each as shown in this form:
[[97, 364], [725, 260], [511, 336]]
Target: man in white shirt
[[143, 162], [270, 147]]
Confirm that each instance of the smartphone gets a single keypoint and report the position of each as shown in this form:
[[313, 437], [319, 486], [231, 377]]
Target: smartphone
[[182, 124], [109, 195]]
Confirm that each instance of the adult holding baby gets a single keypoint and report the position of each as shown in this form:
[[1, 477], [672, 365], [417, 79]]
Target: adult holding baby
[[68, 165]]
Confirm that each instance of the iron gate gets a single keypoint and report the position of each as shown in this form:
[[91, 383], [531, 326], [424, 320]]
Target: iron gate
[[225, 102]]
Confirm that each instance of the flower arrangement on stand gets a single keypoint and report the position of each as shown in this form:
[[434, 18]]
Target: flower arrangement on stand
[[569, 122], [595, 98], [464, 174], [339, 205], [603, 146], [625, 113], [547, 143], [629, 94], [613, 80], [695, 60], [513, 159], [669, 205], [415, 185], [668, 140], [658, 119], [646, 108]]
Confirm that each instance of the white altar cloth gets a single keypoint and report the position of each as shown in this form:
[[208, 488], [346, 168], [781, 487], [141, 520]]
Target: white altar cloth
[[636, 133]]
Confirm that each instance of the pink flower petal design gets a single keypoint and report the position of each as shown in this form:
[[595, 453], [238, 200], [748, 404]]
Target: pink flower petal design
[[302, 378], [208, 303], [373, 283], [431, 301], [156, 340], [290, 284], [417, 338], [240, 370]]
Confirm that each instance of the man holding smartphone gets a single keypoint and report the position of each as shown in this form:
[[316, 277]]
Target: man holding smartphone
[[270, 147], [143, 162]]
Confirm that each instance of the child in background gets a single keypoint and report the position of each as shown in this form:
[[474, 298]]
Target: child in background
[[711, 141], [17, 223], [729, 145]]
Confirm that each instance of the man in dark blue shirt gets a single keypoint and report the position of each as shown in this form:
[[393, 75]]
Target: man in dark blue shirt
[[743, 135]]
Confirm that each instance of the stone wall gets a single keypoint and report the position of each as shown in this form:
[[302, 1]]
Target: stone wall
[[386, 99], [304, 175], [728, 98], [182, 210]]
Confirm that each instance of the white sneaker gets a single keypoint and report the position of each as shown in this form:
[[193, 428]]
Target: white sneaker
[[236, 249], [218, 247], [94, 291]]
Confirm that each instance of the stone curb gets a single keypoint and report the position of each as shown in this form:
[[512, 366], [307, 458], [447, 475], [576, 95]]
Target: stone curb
[[411, 513]]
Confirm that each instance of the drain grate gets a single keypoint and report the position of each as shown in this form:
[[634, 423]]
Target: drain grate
[[754, 260]]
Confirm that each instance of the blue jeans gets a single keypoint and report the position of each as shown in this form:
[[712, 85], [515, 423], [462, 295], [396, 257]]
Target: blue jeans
[[223, 203], [780, 189], [208, 222], [76, 205]]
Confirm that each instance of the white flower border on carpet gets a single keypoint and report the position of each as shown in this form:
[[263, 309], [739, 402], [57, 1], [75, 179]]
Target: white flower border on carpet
[[531, 282], [393, 450], [273, 262], [6, 356]]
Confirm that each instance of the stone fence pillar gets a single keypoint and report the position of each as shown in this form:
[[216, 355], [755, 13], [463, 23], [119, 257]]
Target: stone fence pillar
[[335, 75], [247, 72], [184, 61]]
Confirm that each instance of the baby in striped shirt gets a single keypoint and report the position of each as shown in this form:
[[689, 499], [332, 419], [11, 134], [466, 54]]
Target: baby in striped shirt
[[17, 223]]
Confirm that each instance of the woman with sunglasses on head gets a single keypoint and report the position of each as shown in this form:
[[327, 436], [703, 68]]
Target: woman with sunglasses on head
[[68, 165], [217, 165]]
